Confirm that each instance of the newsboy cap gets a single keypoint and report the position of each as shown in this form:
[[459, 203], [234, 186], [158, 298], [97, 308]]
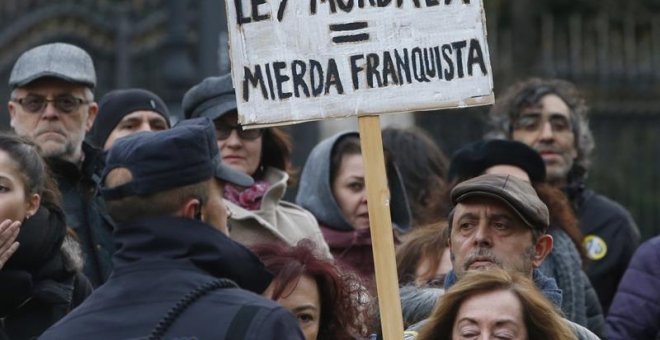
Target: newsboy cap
[[58, 60], [158, 161], [473, 159], [516, 193], [117, 104], [212, 98]]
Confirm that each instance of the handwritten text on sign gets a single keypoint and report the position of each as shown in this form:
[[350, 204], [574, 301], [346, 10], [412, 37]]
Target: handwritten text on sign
[[299, 60]]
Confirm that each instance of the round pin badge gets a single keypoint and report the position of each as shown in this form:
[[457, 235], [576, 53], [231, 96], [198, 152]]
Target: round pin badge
[[595, 246]]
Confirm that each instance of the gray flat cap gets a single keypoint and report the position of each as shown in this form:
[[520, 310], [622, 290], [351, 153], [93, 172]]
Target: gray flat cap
[[212, 98], [59, 60], [516, 193]]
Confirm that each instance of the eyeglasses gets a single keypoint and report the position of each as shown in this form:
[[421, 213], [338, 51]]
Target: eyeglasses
[[36, 104], [223, 131], [533, 122]]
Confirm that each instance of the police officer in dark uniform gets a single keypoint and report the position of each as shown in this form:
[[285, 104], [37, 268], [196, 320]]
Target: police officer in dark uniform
[[176, 273]]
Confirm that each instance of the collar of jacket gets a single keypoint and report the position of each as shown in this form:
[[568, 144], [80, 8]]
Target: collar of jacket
[[89, 171], [545, 284], [175, 239]]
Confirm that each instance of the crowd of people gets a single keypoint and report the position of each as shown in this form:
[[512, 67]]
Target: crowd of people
[[117, 224]]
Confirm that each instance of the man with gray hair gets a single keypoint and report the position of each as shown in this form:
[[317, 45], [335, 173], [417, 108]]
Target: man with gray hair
[[550, 116], [498, 221], [52, 103]]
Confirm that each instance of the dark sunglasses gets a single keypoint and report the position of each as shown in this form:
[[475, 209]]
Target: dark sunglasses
[[36, 104], [223, 131]]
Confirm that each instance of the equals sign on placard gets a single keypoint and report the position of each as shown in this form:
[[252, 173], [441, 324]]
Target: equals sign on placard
[[346, 33]]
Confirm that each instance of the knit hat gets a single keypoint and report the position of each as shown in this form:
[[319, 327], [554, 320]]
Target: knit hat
[[117, 104], [473, 159]]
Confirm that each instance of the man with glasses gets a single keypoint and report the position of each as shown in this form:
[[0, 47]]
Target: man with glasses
[[53, 104], [551, 117]]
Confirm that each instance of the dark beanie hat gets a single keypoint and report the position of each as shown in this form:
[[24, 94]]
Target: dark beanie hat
[[473, 159], [117, 104]]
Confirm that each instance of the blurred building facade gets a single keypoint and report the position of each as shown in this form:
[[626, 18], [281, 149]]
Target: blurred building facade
[[610, 49]]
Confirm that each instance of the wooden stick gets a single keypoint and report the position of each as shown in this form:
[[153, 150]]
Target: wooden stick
[[378, 201]]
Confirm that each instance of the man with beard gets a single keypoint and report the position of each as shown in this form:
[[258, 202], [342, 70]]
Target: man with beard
[[499, 221], [551, 117], [52, 103]]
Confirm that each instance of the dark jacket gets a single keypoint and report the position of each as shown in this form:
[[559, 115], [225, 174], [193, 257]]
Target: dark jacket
[[349, 247], [43, 280], [85, 211], [635, 312], [579, 300], [611, 237], [160, 260]]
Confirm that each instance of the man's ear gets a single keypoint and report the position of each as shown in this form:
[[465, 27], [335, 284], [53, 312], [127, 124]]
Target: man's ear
[[91, 115], [11, 107], [192, 209], [542, 248]]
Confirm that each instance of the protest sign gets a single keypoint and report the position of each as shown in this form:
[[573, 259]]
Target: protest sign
[[295, 61], [300, 60]]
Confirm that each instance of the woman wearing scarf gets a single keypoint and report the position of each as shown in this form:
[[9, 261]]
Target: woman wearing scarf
[[257, 213], [42, 281]]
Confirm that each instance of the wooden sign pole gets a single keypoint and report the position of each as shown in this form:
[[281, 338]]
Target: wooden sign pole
[[378, 201]]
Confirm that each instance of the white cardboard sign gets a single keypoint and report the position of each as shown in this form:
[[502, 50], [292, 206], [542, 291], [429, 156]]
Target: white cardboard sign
[[301, 60]]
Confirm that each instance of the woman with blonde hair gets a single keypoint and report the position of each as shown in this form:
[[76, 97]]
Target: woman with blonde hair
[[495, 304]]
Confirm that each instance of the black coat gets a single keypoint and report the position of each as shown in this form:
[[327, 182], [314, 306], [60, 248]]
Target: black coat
[[160, 260], [42, 281], [85, 211], [611, 237]]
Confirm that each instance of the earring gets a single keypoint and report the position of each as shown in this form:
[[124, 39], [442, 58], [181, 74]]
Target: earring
[[27, 217]]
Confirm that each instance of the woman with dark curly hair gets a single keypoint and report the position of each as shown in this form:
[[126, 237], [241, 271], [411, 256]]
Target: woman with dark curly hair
[[329, 303]]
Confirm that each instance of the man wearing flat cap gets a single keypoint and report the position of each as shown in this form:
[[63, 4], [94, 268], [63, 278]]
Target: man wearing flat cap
[[564, 264], [52, 103], [176, 273], [499, 221], [127, 111]]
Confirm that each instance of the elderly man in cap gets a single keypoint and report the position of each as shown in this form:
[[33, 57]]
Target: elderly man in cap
[[499, 221], [176, 273], [125, 112], [52, 103], [564, 264]]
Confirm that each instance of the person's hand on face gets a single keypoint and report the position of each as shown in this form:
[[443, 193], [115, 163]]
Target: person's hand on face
[[8, 232]]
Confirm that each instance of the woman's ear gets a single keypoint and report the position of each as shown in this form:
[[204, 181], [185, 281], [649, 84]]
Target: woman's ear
[[32, 205]]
